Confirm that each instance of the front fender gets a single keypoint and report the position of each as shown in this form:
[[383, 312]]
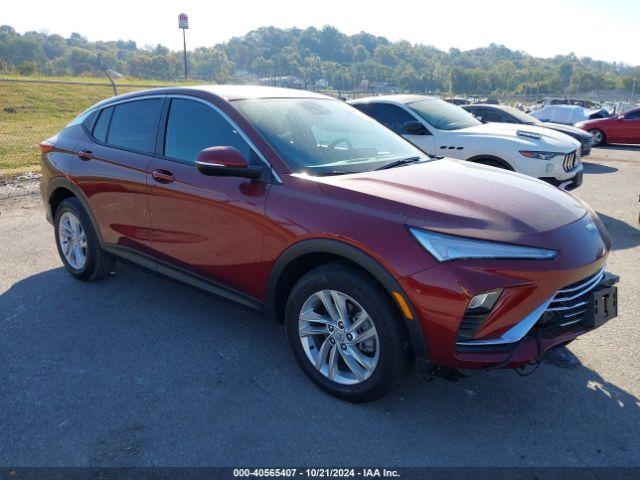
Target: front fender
[[364, 261]]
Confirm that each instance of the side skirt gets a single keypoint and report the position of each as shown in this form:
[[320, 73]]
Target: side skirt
[[134, 257]]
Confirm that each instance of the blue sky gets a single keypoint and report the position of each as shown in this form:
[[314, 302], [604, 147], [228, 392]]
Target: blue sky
[[603, 30]]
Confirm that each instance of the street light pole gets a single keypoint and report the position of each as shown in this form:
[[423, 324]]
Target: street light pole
[[183, 24], [184, 43]]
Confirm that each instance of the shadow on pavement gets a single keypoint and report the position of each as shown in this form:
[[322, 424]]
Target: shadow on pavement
[[596, 168], [623, 235], [620, 147], [138, 370]]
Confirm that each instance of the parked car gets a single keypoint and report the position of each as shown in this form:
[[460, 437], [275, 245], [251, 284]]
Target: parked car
[[567, 101], [441, 129], [567, 114], [302, 208], [507, 114], [623, 128], [457, 101]]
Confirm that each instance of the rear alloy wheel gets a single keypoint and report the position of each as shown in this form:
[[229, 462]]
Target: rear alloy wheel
[[345, 333], [73, 240], [598, 137], [78, 243]]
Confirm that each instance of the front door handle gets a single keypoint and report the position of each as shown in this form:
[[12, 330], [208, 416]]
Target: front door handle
[[163, 176], [85, 154]]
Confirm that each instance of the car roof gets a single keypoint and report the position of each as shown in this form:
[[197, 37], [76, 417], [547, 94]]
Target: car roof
[[242, 92], [224, 92], [403, 99], [503, 108]]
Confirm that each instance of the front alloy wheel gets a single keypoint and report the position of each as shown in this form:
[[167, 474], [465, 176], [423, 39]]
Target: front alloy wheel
[[346, 333], [598, 137], [338, 337]]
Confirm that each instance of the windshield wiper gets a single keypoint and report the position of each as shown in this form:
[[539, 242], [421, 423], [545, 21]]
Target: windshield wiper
[[398, 163]]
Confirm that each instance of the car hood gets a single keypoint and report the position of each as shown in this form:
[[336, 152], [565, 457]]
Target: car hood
[[461, 198], [568, 129], [510, 131], [595, 122]]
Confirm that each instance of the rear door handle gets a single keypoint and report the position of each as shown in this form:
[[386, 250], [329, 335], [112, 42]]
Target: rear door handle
[[163, 176], [85, 155]]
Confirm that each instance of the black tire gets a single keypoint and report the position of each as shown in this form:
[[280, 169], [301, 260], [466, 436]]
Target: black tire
[[395, 352], [492, 163], [599, 138], [98, 263]]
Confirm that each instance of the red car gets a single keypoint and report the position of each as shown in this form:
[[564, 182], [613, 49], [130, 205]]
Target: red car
[[371, 253], [623, 128]]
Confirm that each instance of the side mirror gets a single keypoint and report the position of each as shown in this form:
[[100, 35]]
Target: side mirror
[[226, 162], [415, 128]]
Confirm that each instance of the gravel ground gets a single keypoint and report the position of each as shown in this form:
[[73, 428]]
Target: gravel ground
[[138, 370]]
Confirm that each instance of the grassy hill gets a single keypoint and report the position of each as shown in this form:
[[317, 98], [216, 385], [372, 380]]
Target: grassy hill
[[32, 112]]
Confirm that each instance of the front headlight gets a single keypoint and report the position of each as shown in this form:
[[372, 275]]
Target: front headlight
[[451, 247], [539, 155]]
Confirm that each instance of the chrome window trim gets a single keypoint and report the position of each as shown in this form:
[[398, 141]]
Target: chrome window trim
[[111, 103], [224, 115]]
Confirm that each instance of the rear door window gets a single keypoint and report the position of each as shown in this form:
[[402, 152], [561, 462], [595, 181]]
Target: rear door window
[[491, 115], [134, 125]]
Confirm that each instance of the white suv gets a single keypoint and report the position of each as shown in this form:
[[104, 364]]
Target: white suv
[[441, 129]]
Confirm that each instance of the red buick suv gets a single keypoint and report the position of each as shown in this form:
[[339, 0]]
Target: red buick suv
[[373, 255]]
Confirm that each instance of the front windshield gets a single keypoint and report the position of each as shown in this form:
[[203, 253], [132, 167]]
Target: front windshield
[[520, 115], [443, 115], [325, 136]]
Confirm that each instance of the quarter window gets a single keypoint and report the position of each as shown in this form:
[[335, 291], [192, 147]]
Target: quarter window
[[134, 125], [193, 126], [102, 125]]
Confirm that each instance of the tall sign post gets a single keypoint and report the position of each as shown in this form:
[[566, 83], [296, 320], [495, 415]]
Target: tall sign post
[[183, 24]]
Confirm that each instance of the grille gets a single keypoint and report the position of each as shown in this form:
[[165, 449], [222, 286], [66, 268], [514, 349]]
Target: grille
[[586, 145], [570, 161], [470, 325], [570, 304]]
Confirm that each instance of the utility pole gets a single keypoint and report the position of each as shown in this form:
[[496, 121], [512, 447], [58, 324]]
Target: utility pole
[[183, 24]]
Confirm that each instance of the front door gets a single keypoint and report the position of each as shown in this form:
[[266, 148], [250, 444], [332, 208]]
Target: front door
[[629, 129], [208, 225], [395, 117]]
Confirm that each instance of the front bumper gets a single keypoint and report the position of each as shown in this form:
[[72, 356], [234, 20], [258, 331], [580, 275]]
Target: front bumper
[[524, 321], [570, 184]]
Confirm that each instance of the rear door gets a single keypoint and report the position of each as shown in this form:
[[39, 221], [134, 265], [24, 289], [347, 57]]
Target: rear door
[[211, 226], [111, 170]]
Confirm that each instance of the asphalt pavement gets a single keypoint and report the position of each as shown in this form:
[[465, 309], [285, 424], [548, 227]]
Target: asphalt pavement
[[138, 370]]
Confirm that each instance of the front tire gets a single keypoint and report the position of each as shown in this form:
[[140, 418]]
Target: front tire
[[599, 137], [493, 163], [345, 333], [78, 243]]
